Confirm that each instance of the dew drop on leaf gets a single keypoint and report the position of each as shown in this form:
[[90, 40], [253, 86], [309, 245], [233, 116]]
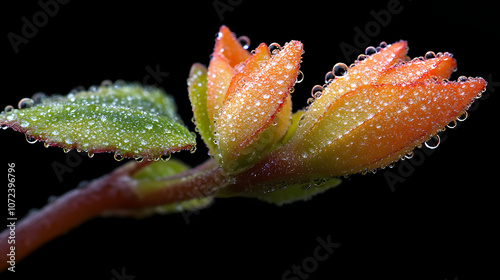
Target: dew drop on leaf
[[25, 103]]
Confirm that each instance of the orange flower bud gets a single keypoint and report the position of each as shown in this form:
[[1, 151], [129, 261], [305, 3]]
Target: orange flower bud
[[248, 99], [365, 117], [369, 116]]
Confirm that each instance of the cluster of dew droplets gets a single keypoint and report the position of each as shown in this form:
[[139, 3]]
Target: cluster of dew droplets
[[339, 70], [22, 104], [38, 98]]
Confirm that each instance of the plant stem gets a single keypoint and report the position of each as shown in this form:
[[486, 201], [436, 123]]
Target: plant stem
[[115, 191]]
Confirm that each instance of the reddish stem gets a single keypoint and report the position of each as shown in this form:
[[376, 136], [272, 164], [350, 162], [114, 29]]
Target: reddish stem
[[111, 192]]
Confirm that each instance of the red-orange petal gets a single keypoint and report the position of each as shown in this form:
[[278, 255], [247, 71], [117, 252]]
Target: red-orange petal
[[252, 64], [256, 104], [227, 45], [376, 125], [365, 72], [420, 70]]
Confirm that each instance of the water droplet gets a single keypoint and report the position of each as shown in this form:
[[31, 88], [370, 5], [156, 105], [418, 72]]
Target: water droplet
[[340, 69], [452, 124], [300, 77], [463, 117], [90, 154], [361, 57], [166, 156], [25, 103], [119, 84], [244, 41], [66, 150], [409, 155], [118, 156], [291, 90], [370, 50], [274, 48], [319, 182], [193, 149], [329, 77], [462, 79], [106, 83], [4, 126], [306, 187], [383, 44], [431, 145], [46, 145], [31, 139], [138, 158], [38, 97], [316, 91], [429, 55], [8, 109]]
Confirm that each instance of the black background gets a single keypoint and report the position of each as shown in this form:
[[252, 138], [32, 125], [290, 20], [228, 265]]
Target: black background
[[437, 224]]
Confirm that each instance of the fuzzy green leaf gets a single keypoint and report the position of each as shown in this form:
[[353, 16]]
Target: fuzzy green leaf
[[127, 119]]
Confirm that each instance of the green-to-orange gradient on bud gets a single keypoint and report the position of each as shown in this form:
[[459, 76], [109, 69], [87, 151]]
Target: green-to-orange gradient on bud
[[246, 99], [370, 115]]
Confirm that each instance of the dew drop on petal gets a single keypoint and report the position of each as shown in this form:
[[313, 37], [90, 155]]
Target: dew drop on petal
[[244, 41], [316, 91], [370, 50], [452, 124], [300, 77], [329, 77], [463, 117], [429, 55], [433, 143], [274, 48], [340, 69]]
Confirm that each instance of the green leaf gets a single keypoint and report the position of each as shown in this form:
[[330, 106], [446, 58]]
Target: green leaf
[[159, 170], [197, 87], [127, 119], [296, 192]]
